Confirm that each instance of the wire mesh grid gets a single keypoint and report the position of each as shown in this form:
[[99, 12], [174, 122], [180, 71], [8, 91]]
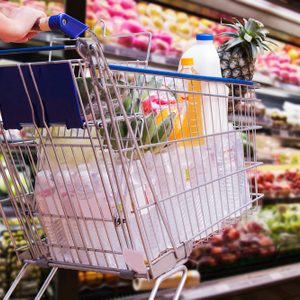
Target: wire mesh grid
[[157, 167]]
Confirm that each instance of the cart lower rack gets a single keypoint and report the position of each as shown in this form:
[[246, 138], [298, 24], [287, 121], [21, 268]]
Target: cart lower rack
[[110, 174]]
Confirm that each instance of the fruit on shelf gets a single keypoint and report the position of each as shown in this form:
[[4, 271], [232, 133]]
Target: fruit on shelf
[[154, 10], [49, 7], [158, 22], [142, 8], [246, 239], [170, 14], [145, 21], [180, 27], [126, 41], [128, 4], [132, 26], [280, 66], [181, 17], [164, 36], [3, 187], [20, 181], [231, 234], [279, 185], [162, 46], [286, 157], [141, 42], [194, 21], [284, 223], [130, 14]]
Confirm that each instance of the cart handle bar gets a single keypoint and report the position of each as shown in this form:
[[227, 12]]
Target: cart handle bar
[[179, 75]]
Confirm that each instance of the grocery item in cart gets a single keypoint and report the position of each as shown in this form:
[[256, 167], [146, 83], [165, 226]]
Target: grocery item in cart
[[192, 123], [207, 63], [72, 209]]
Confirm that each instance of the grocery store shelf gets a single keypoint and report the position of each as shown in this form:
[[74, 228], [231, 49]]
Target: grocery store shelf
[[9, 212], [230, 285], [286, 134], [121, 53], [272, 201], [271, 15], [263, 79], [243, 282]]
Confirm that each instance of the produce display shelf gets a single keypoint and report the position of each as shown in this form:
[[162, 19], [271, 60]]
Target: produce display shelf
[[286, 25], [122, 53], [9, 211], [286, 134], [284, 200], [251, 264], [260, 121], [234, 283]]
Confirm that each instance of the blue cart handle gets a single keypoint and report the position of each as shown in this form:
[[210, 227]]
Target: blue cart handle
[[62, 22]]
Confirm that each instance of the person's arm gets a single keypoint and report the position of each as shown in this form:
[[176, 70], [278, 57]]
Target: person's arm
[[17, 26]]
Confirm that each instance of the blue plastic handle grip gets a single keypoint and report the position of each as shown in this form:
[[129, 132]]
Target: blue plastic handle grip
[[68, 25]]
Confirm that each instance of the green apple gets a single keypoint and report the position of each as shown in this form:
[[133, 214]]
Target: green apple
[[277, 227]]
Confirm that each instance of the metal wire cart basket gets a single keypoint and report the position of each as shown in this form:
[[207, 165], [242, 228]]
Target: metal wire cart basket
[[112, 174]]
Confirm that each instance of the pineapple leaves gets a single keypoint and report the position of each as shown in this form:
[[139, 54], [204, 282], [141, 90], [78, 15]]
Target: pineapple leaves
[[271, 42], [233, 42], [260, 46], [266, 47], [232, 26], [230, 34], [253, 50], [250, 36]]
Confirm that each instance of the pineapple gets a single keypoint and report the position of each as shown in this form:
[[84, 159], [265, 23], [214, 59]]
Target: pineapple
[[238, 54]]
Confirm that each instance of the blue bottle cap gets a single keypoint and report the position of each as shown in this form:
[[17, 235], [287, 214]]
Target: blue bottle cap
[[204, 37]]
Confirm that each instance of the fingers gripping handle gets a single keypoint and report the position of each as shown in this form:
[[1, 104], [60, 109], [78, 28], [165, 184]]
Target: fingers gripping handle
[[62, 22]]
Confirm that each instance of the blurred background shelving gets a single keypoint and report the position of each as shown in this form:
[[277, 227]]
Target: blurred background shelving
[[270, 236]]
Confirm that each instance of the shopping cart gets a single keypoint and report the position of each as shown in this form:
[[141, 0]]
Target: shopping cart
[[118, 179]]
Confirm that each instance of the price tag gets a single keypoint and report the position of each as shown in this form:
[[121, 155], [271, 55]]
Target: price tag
[[276, 276], [222, 288], [159, 59]]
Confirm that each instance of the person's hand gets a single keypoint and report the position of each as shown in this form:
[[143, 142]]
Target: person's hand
[[17, 27], [25, 17]]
